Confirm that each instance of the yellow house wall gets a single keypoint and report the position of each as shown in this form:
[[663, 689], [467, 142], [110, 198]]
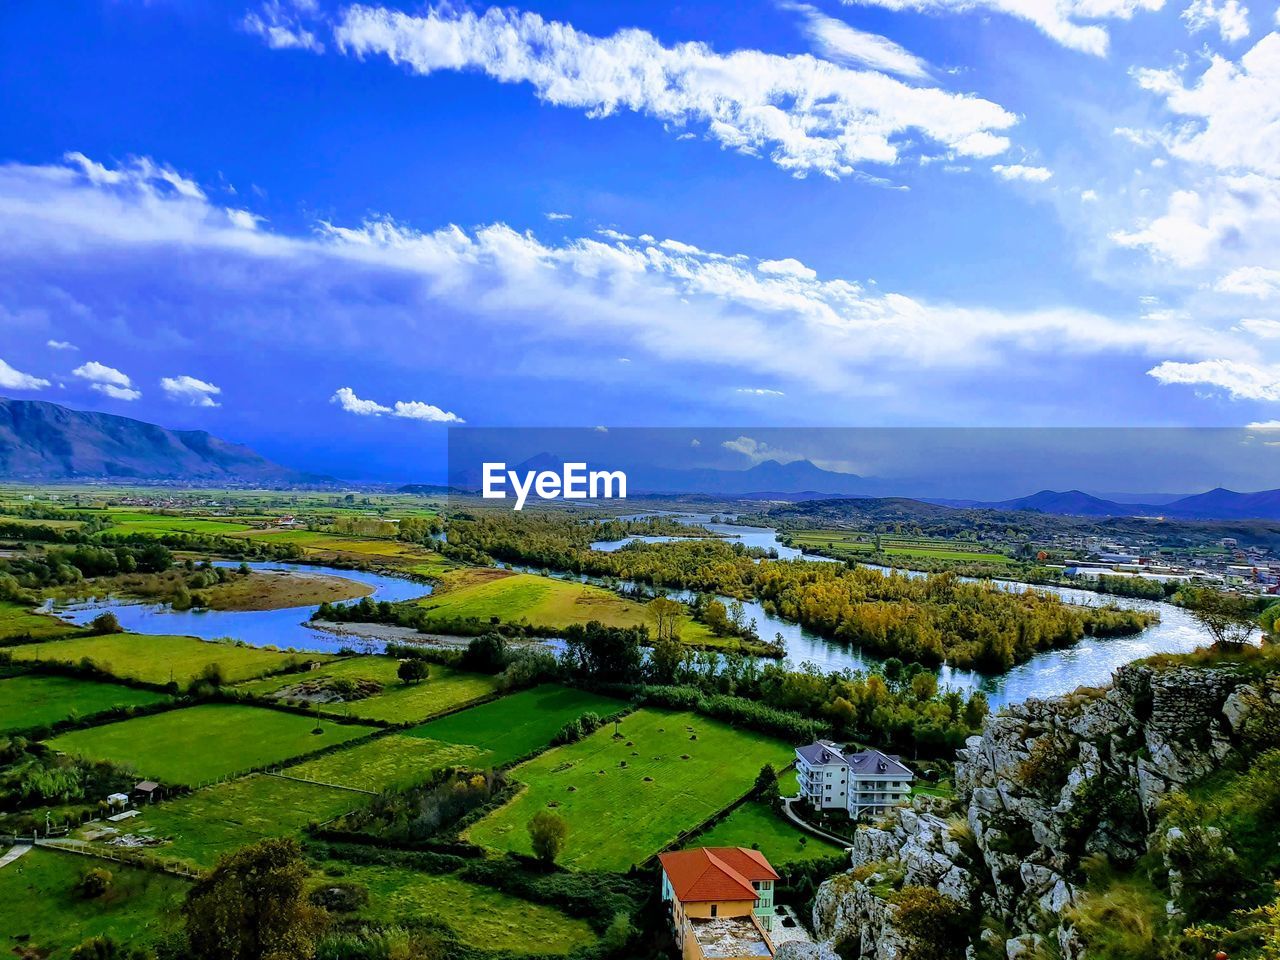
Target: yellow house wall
[[724, 908]]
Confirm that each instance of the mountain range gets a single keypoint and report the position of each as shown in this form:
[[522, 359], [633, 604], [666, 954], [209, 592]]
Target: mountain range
[[45, 441]]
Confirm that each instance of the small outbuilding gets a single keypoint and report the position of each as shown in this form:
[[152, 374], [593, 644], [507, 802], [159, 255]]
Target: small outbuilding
[[147, 791]]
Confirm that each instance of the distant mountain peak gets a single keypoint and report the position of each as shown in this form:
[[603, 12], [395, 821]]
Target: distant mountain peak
[[40, 440]]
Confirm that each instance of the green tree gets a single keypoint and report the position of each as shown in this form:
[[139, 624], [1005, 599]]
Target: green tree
[[1227, 617], [548, 833], [413, 670], [105, 623], [104, 948], [252, 906]]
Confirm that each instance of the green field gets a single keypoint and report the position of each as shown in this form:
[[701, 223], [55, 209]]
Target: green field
[[159, 659], [398, 702], [515, 726], [393, 762], [43, 915], [17, 620], [481, 916], [544, 602], [619, 815], [202, 743], [156, 524], [849, 543], [36, 701], [209, 822], [755, 825]]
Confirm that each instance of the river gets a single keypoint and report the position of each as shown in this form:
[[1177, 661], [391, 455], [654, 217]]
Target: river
[[1089, 663]]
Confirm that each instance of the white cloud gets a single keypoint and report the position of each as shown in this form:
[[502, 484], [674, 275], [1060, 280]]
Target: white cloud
[[107, 380], [695, 442], [1056, 19], [1231, 19], [198, 393], [11, 379], [278, 23], [836, 40], [1261, 328], [244, 219], [1260, 282], [60, 345], [1233, 110], [1018, 171], [1241, 381], [600, 429], [1088, 196], [405, 409], [417, 410], [558, 216], [788, 267], [807, 114], [1264, 425], [758, 451], [347, 399], [615, 235], [1221, 217], [377, 286], [761, 392]]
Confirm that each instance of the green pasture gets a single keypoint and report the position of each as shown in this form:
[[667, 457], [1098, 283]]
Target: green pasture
[[34, 701]]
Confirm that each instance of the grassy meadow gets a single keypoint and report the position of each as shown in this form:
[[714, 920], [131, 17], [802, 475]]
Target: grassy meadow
[[754, 824], [202, 743], [398, 702], [516, 725], [17, 621], [855, 544], [630, 796], [483, 594], [481, 916], [34, 701], [42, 914], [158, 659], [393, 762], [203, 825]]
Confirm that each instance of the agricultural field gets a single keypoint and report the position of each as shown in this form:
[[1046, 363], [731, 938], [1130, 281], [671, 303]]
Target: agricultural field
[[515, 726], [212, 821], [482, 594], [629, 796], [398, 702], [159, 659], [18, 621], [481, 916], [847, 543], [278, 589], [393, 762], [35, 701], [205, 742], [158, 524], [42, 914], [754, 824]]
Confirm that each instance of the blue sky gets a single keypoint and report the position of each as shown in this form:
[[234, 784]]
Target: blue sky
[[330, 230]]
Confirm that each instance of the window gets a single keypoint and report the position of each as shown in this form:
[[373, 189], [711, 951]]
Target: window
[[714, 909]]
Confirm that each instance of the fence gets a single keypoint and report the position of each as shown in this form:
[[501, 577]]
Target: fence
[[137, 857]]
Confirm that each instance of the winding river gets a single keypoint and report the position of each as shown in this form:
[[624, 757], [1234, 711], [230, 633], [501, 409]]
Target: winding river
[[1089, 663]]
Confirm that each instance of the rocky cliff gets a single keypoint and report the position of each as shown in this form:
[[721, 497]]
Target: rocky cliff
[[1049, 787]]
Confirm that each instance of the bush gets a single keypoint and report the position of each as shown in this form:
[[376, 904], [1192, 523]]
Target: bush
[[547, 833], [96, 882], [105, 623], [340, 897], [933, 926]]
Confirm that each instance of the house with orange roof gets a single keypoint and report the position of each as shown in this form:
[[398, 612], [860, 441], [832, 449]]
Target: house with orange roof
[[721, 901]]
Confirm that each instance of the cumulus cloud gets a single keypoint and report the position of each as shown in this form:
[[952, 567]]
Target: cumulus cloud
[[346, 398], [379, 286], [808, 115], [838, 41], [758, 451], [280, 24], [1018, 171], [60, 345], [1232, 111], [198, 393], [1239, 380], [11, 379], [1260, 282], [1231, 19], [107, 380], [1056, 19], [788, 267], [1262, 328]]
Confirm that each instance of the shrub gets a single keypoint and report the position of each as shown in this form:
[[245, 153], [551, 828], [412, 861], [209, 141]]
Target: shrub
[[547, 833], [105, 623], [933, 925], [96, 882]]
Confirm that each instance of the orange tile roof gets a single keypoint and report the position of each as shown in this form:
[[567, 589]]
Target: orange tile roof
[[715, 873]]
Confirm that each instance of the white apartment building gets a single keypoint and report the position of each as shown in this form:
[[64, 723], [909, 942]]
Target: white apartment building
[[863, 784]]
